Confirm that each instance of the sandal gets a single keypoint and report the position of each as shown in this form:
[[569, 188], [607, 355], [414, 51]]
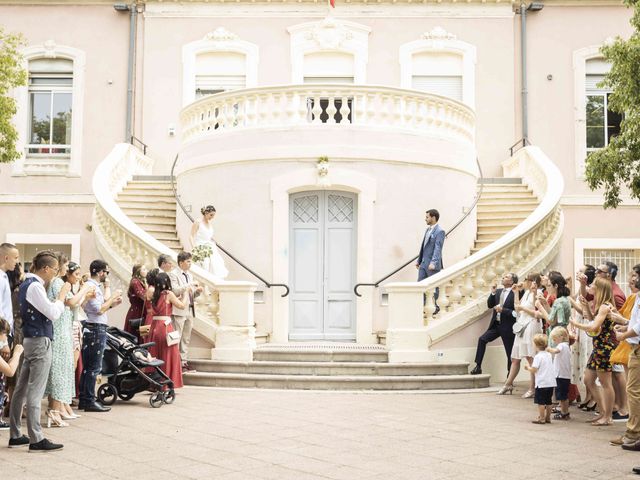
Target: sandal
[[562, 416], [556, 410], [538, 421], [601, 424]]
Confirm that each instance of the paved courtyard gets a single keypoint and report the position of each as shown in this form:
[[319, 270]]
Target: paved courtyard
[[297, 435]]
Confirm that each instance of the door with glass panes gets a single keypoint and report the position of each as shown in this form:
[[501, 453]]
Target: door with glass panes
[[322, 273]]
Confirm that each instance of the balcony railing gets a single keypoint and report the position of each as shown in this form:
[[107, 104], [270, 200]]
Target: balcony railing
[[342, 106]]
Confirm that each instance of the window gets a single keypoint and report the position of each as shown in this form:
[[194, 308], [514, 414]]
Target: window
[[625, 259], [50, 107], [218, 72], [601, 123], [440, 64]]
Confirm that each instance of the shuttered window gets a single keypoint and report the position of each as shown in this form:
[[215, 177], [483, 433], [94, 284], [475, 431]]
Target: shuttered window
[[210, 84], [446, 85]]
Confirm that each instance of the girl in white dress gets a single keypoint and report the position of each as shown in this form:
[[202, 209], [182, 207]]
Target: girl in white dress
[[202, 234], [525, 328]]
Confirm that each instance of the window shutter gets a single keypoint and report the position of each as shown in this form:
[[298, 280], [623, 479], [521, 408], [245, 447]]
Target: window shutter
[[591, 83], [219, 83], [445, 85], [330, 80]]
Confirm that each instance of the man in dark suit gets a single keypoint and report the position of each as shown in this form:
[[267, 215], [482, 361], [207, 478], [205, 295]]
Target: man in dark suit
[[502, 320], [430, 257]]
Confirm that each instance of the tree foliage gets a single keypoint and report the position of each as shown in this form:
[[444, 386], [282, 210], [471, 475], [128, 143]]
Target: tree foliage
[[617, 166], [12, 75]]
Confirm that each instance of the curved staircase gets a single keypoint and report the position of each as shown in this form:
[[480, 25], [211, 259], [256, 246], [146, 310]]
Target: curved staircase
[[519, 227]]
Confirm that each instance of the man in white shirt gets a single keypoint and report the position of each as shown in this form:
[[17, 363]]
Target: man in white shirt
[[9, 258], [37, 313], [631, 334]]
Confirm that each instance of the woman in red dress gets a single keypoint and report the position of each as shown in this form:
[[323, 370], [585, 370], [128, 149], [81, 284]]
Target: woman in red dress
[[163, 302], [136, 293]]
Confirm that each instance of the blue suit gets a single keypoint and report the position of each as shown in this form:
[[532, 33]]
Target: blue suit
[[431, 252]]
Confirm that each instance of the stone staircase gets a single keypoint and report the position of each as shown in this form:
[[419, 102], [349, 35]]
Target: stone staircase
[[334, 366], [150, 203], [504, 203]]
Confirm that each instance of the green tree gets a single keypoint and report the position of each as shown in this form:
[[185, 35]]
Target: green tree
[[11, 75], [617, 166]]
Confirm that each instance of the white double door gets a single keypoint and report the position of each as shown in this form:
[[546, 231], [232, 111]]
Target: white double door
[[322, 266]]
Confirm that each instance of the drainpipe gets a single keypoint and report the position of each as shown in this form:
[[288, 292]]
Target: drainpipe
[[133, 14], [534, 7]]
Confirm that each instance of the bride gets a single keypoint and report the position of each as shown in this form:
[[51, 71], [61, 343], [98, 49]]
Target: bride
[[202, 234]]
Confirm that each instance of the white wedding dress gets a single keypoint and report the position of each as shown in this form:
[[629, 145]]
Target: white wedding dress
[[215, 263]]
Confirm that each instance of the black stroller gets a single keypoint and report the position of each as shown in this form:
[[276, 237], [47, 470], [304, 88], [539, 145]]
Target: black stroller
[[130, 369]]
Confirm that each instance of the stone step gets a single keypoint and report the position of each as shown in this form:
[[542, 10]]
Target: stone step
[[144, 205], [315, 354], [500, 181], [341, 382], [506, 208], [497, 224], [161, 229], [506, 195], [495, 229], [138, 213], [141, 190], [511, 202], [141, 196], [152, 221], [496, 215], [331, 368], [482, 235]]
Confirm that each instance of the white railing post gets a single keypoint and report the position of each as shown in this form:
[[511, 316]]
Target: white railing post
[[236, 335], [407, 337]]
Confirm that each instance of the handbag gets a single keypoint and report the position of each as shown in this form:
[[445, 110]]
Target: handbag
[[136, 322], [173, 338], [520, 327], [621, 354]]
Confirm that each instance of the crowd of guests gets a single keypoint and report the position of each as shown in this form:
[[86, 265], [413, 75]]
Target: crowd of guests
[[587, 338], [53, 331]]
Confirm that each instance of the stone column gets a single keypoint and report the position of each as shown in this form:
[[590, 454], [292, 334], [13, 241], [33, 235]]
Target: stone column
[[236, 335], [407, 337]]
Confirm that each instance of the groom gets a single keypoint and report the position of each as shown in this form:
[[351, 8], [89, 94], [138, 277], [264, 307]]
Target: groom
[[430, 258]]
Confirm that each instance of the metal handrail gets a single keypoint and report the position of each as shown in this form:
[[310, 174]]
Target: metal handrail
[[451, 230], [523, 142], [184, 210], [144, 145]]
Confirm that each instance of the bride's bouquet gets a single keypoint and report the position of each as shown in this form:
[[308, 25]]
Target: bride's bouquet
[[201, 253]]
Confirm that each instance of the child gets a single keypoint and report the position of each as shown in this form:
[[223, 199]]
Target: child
[[7, 368], [562, 367], [542, 367]]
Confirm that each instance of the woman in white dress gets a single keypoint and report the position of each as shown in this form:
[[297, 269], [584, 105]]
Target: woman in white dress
[[202, 234], [526, 326]]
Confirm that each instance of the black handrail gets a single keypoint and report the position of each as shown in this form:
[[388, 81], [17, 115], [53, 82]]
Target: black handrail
[[179, 202], [451, 230], [144, 145], [523, 142]]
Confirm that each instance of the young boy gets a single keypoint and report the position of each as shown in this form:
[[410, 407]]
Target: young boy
[[542, 367], [562, 368]]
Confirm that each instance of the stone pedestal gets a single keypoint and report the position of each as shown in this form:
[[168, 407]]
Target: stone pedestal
[[407, 337], [236, 335]]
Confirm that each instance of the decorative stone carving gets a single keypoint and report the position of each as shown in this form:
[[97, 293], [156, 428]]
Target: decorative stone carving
[[438, 33], [50, 49], [221, 34], [329, 34]]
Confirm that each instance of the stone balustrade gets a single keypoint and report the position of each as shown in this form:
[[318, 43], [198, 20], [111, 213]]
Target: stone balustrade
[[340, 106], [224, 313], [463, 287]]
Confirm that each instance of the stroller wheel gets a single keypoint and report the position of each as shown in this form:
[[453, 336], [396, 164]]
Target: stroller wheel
[[107, 394], [169, 396], [125, 396], [155, 400]]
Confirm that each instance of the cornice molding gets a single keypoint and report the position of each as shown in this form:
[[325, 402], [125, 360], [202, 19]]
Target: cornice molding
[[257, 3], [47, 199]]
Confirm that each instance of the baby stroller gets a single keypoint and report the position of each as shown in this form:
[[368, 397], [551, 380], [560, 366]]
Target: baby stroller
[[130, 369]]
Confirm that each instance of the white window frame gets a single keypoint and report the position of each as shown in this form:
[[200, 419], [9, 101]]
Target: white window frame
[[50, 49], [580, 58], [582, 244], [440, 41], [329, 35], [220, 40]]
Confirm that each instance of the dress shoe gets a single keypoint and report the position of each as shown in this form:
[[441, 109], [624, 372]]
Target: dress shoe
[[96, 407], [636, 470], [633, 446], [44, 445], [476, 370]]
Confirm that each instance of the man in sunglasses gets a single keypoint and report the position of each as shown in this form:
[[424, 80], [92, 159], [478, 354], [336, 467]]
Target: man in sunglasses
[[94, 334]]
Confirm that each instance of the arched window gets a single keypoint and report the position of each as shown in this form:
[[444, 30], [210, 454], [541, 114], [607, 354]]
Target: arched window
[[329, 51], [218, 63], [49, 117], [438, 63]]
